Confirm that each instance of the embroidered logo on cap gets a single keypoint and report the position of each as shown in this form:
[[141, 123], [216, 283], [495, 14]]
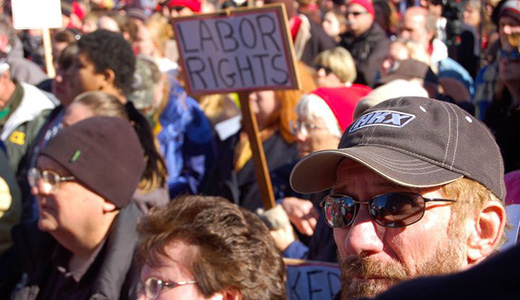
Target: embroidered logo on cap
[[75, 156], [382, 118]]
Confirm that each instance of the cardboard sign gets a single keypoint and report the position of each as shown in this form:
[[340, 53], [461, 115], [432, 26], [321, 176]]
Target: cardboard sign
[[237, 50], [36, 14], [513, 218], [311, 280]]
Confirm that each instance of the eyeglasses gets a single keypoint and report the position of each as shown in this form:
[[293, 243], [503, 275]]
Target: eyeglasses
[[391, 210], [49, 178], [356, 13], [153, 287], [326, 69], [301, 126], [512, 56]]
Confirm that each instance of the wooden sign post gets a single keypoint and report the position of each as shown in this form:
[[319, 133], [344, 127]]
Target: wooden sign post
[[239, 50], [38, 14]]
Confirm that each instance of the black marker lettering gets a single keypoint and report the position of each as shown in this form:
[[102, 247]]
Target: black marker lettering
[[251, 32], [195, 70], [267, 26], [261, 62], [205, 35], [221, 70], [225, 34], [285, 78]]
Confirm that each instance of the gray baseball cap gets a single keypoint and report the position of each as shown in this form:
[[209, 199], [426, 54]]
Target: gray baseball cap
[[414, 142]]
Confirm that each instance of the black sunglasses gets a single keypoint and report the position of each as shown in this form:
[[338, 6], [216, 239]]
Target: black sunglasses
[[356, 13], [389, 210], [326, 69]]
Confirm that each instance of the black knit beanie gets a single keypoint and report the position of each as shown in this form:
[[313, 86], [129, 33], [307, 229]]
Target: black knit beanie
[[104, 154]]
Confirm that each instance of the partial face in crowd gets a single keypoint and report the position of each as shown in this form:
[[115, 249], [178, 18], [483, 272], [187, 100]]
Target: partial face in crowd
[[172, 268], [413, 27], [76, 112], [83, 76], [264, 105], [313, 135], [372, 257], [509, 57], [66, 207], [359, 19]]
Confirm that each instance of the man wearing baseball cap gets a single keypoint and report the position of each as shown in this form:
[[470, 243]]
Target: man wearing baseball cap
[[417, 189], [365, 40], [82, 246]]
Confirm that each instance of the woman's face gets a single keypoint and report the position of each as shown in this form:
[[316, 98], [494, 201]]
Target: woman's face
[[471, 15], [263, 104], [331, 24], [171, 268], [312, 136], [76, 112]]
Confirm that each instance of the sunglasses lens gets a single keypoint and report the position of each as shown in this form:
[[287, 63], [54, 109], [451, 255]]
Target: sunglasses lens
[[397, 209], [339, 211]]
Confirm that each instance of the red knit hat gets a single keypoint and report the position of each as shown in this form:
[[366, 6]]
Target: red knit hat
[[366, 4], [511, 9], [194, 5], [342, 101]]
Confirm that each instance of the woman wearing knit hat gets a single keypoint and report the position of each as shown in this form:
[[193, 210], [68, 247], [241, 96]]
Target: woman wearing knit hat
[[323, 115]]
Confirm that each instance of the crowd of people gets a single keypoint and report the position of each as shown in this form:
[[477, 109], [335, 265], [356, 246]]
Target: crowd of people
[[396, 159]]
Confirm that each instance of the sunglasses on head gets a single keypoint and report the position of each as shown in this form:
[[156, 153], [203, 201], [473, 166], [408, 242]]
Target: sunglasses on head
[[391, 210]]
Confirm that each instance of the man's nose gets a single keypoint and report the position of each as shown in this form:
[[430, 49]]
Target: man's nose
[[364, 235], [40, 188]]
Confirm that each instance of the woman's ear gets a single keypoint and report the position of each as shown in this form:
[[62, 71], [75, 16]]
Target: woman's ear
[[487, 231]]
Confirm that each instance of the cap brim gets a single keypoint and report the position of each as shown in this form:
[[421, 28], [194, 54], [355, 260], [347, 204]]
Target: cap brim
[[317, 171]]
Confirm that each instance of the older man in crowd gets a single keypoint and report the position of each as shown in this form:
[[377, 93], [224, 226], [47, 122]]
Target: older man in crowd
[[419, 25], [417, 189], [82, 246]]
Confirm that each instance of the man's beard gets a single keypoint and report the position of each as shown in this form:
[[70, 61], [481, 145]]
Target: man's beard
[[374, 276]]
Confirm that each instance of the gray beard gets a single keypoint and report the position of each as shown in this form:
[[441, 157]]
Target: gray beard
[[449, 258]]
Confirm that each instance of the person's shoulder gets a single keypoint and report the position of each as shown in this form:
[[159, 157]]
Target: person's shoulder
[[376, 33]]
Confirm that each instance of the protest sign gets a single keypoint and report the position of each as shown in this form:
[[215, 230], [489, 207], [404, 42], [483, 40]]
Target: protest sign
[[311, 280], [38, 14], [239, 50]]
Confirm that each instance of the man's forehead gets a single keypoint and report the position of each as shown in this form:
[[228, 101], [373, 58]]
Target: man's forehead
[[46, 163], [348, 169]]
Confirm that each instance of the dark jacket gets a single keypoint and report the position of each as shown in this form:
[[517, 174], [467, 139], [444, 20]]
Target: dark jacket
[[113, 275], [504, 121], [318, 42], [369, 50], [241, 187]]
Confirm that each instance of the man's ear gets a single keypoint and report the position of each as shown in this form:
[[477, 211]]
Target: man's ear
[[109, 206], [487, 231]]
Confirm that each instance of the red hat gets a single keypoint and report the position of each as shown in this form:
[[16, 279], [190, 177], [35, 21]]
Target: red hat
[[366, 4], [342, 101], [194, 5], [511, 9]]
